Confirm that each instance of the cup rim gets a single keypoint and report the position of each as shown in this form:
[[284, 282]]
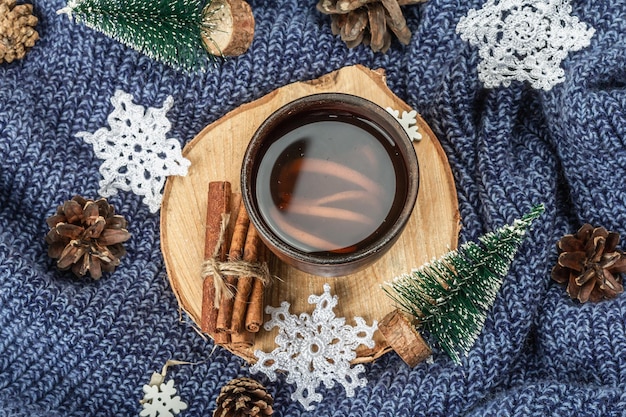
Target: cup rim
[[376, 114]]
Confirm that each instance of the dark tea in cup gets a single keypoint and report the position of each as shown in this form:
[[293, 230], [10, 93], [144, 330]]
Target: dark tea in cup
[[329, 184]]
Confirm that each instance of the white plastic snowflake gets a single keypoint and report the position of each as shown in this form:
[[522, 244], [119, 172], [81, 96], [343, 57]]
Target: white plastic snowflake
[[523, 40], [160, 400], [137, 155], [408, 122], [315, 349]]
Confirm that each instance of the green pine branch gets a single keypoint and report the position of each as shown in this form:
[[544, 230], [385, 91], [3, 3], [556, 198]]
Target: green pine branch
[[170, 31], [450, 296]]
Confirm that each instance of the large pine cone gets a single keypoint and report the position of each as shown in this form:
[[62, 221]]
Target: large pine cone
[[243, 397], [371, 22], [87, 236], [590, 264], [17, 33]]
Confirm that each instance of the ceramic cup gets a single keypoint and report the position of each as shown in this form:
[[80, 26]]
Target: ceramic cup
[[329, 181]]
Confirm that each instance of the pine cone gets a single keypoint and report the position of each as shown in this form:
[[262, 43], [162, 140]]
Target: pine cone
[[17, 33], [590, 263], [371, 22], [87, 236], [243, 397]]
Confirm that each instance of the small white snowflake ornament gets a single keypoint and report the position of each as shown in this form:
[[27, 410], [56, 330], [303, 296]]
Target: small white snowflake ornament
[[160, 400], [523, 40], [137, 155], [315, 348], [408, 122]]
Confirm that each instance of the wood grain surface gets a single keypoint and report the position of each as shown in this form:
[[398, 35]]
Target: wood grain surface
[[216, 154]]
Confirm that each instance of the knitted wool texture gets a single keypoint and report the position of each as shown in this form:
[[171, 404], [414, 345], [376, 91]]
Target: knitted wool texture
[[82, 348]]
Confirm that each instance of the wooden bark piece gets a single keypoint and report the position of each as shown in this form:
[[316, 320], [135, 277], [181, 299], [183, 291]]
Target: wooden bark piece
[[216, 154], [403, 338], [234, 29]]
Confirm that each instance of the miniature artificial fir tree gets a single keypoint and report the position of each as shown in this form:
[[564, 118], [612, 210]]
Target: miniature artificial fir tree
[[185, 34], [450, 296]]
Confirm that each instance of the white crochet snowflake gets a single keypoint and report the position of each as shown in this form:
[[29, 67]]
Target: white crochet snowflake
[[137, 155], [408, 122], [160, 400], [523, 40], [315, 349]]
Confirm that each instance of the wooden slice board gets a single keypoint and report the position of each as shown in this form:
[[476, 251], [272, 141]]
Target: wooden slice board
[[216, 155]]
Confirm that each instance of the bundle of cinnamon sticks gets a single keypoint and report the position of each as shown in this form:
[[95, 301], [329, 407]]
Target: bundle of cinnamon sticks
[[235, 271]]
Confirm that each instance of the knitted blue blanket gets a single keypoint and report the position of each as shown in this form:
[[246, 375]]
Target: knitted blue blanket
[[78, 347]]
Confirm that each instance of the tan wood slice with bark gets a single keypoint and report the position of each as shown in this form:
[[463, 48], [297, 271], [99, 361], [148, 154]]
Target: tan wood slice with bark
[[216, 154], [234, 30]]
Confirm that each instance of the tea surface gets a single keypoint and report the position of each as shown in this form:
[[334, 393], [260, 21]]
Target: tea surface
[[327, 183]]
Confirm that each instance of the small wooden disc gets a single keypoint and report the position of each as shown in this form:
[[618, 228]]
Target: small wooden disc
[[402, 336], [216, 154], [234, 29]]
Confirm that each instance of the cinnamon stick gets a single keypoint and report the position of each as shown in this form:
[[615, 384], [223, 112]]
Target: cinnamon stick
[[303, 236], [331, 168], [340, 197], [242, 339], [244, 284], [218, 212], [237, 243], [329, 213], [256, 305]]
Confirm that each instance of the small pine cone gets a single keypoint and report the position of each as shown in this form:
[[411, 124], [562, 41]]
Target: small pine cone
[[371, 22], [590, 264], [243, 397], [87, 236], [17, 33]]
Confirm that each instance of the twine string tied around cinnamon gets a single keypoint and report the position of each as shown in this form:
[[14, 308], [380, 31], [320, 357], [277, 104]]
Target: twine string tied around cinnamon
[[234, 268]]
